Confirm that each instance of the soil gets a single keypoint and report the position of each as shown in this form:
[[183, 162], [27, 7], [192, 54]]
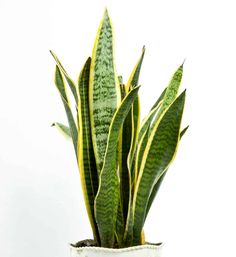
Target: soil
[[84, 243], [90, 242]]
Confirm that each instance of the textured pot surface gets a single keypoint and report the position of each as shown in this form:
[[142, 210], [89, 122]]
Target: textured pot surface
[[136, 251]]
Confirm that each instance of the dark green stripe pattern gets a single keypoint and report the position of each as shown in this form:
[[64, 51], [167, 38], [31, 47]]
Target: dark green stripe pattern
[[171, 91], [158, 155], [103, 89], [159, 182], [107, 199], [86, 148]]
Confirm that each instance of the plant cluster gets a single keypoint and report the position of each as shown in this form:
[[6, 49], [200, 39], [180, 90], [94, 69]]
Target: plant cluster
[[122, 161]]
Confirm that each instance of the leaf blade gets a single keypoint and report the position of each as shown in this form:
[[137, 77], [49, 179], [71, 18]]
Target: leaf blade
[[70, 82], [104, 90], [171, 91], [163, 143], [65, 130], [59, 82], [159, 182], [87, 163], [107, 199]]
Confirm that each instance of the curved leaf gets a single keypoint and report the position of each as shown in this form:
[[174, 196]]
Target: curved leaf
[[142, 141], [59, 82], [70, 82], [158, 183], [148, 119], [159, 153], [63, 129]]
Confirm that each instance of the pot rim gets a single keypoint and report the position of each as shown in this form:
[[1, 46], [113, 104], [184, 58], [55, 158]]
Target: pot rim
[[126, 249]]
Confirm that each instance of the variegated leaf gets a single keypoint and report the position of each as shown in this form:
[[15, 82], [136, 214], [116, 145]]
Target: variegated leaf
[[70, 82], [59, 82], [171, 92], [87, 163], [159, 153], [65, 130], [159, 182], [104, 91], [107, 199], [129, 140]]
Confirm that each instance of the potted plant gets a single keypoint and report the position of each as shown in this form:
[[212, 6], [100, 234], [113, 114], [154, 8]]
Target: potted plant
[[121, 162]]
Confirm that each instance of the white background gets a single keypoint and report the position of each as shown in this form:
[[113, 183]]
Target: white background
[[41, 205]]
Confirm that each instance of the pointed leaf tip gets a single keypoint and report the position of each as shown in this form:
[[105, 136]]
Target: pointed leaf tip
[[183, 94], [182, 65], [106, 12]]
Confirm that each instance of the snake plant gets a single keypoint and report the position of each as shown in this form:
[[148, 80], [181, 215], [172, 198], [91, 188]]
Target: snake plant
[[122, 161]]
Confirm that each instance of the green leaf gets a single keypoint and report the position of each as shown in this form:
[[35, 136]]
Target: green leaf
[[70, 82], [120, 225], [135, 117], [154, 110], [65, 130], [135, 111], [141, 144], [128, 234], [159, 153], [59, 82], [104, 89], [143, 136], [142, 141], [107, 199], [87, 163], [159, 99], [120, 79], [171, 92], [124, 171], [141, 148], [129, 140], [153, 193], [134, 77], [159, 182], [183, 131], [122, 90]]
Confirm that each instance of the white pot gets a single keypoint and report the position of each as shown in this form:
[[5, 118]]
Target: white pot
[[135, 251]]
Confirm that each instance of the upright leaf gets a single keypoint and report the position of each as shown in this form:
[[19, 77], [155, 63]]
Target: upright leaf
[[159, 153], [134, 77], [107, 199], [148, 119], [70, 82], [135, 111], [124, 171], [129, 139], [104, 91], [120, 224], [59, 82], [87, 163], [142, 140], [159, 182], [171, 92]]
